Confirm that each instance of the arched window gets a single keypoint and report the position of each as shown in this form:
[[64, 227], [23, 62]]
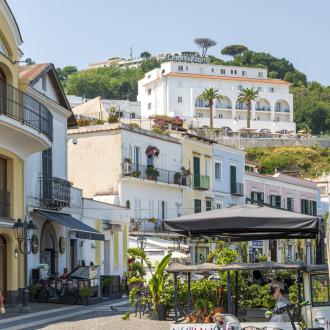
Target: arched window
[[128, 204]]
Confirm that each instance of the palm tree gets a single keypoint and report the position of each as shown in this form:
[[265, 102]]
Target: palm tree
[[247, 95], [209, 95]]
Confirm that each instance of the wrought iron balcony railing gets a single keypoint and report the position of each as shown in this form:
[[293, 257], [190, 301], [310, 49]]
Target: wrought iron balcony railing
[[237, 189], [4, 204], [55, 193], [201, 182], [28, 111], [155, 174]]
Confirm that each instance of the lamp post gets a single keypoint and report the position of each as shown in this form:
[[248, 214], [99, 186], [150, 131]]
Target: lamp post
[[23, 233], [142, 243]]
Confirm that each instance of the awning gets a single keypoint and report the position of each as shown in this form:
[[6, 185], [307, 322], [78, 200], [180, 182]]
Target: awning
[[152, 151], [78, 227], [246, 222]]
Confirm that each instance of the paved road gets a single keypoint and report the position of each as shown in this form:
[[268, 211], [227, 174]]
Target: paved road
[[85, 316]]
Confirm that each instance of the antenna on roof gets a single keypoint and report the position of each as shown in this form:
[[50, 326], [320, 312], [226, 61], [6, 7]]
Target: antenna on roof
[[131, 52]]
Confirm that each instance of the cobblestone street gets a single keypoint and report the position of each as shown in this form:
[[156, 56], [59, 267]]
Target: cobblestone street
[[110, 322]]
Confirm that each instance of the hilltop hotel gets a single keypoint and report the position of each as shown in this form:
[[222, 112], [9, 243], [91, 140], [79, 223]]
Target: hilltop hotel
[[173, 90]]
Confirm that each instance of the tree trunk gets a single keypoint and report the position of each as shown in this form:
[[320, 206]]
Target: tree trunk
[[248, 115], [211, 114]]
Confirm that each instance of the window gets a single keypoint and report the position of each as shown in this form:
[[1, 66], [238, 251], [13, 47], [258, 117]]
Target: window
[[149, 106], [208, 205], [163, 210], [240, 105], [137, 158], [149, 91], [271, 89], [132, 115], [244, 73], [219, 206], [217, 170], [259, 89], [179, 99], [257, 196], [289, 203], [44, 83], [320, 290], [260, 74], [223, 71], [233, 71], [207, 166], [180, 67], [258, 118], [233, 179], [212, 70], [239, 87], [275, 200], [3, 174], [197, 205], [47, 170], [187, 68]]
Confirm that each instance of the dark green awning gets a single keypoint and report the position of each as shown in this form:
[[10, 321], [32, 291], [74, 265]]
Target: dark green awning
[[78, 227]]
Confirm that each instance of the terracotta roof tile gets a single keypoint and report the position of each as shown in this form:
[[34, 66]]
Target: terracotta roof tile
[[32, 71]]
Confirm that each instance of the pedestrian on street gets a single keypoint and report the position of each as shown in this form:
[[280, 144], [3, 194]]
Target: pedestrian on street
[[2, 306]]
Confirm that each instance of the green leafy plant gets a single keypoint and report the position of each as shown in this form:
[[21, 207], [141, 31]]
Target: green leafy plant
[[136, 174], [113, 118], [134, 125], [85, 292], [152, 220]]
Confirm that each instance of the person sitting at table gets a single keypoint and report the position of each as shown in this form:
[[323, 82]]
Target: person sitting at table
[[2, 306], [65, 274]]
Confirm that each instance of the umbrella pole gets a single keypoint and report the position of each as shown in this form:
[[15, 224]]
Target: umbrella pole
[[176, 297], [299, 294], [189, 293], [236, 293], [228, 292]]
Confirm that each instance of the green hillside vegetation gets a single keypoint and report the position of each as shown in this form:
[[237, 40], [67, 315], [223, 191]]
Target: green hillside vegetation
[[306, 162], [311, 99]]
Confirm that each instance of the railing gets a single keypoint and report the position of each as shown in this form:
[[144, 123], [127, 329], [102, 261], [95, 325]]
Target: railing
[[237, 189], [22, 107], [282, 110], [4, 204], [201, 182], [55, 192], [155, 174], [262, 108]]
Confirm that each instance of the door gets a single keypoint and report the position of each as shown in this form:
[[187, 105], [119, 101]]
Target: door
[[4, 195], [273, 250], [233, 179], [47, 173], [72, 254], [196, 169], [3, 265]]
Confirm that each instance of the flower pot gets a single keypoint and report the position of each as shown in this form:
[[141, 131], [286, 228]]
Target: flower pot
[[220, 310], [160, 314], [207, 319]]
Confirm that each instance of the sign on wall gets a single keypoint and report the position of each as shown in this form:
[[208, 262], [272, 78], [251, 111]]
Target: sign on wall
[[186, 58]]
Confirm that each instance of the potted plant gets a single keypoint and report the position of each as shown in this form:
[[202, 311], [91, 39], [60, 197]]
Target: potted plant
[[219, 298], [106, 286], [185, 173], [136, 174], [85, 294], [177, 177], [151, 173]]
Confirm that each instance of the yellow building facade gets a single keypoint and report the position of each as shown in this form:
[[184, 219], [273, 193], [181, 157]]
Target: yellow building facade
[[20, 137]]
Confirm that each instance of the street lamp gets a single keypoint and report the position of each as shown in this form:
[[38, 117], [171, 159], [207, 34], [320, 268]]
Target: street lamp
[[23, 232]]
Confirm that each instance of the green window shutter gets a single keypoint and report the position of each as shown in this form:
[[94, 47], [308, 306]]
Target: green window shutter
[[233, 180]]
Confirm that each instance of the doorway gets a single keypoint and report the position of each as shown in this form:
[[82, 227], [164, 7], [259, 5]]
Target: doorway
[[3, 265], [73, 254], [48, 251]]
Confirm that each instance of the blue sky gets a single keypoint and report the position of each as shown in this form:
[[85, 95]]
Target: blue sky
[[79, 32]]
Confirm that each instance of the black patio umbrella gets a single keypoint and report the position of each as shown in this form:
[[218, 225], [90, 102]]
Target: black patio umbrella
[[246, 222]]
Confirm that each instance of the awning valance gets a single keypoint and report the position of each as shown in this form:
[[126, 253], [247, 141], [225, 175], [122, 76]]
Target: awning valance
[[152, 151], [78, 227]]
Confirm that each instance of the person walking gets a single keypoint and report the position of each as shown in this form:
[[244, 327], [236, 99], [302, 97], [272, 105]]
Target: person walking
[[2, 305]]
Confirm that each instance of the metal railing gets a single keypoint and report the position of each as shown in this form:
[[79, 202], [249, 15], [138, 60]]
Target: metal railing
[[155, 174], [55, 192], [286, 110], [22, 107], [201, 182], [263, 109], [237, 189], [4, 204]]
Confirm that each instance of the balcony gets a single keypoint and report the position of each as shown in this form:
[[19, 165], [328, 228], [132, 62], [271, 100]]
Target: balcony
[[267, 109], [285, 110], [201, 182], [55, 193], [155, 174], [237, 188], [4, 204], [26, 126]]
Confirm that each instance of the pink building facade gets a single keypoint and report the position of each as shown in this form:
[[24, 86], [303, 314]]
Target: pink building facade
[[286, 192]]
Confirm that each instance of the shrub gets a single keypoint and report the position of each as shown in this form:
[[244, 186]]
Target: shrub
[[85, 292], [134, 125]]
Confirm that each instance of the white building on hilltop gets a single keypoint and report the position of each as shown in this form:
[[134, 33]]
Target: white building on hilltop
[[173, 90]]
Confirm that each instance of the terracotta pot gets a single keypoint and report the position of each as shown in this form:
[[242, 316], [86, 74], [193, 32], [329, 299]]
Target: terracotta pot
[[207, 320], [220, 310]]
